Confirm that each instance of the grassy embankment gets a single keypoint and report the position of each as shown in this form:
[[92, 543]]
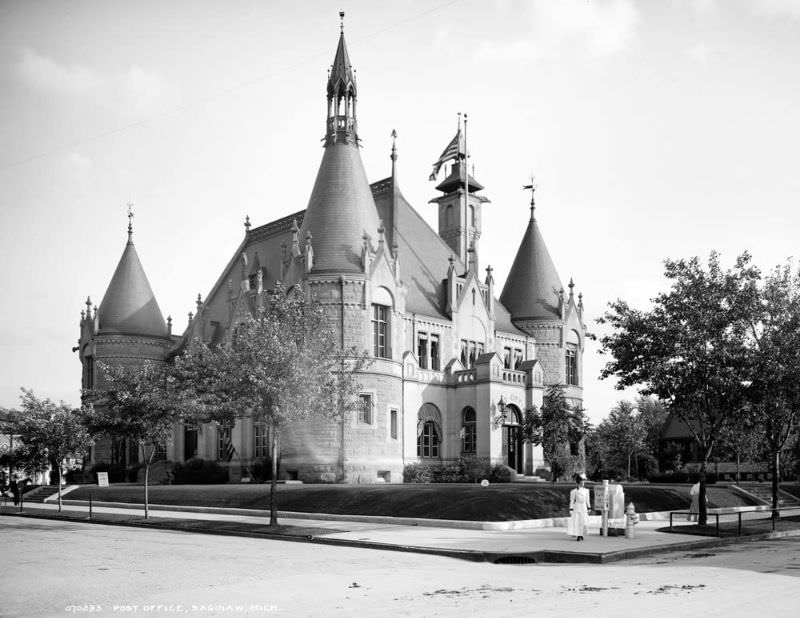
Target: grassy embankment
[[498, 502]]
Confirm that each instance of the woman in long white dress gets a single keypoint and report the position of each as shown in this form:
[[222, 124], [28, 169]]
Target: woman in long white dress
[[578, 510]]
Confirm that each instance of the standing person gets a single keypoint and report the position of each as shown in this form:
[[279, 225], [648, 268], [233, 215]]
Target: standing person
[[578, 509], [694, 508], [15, 488]]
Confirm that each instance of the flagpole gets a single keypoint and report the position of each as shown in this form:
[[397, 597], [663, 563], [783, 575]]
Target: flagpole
[[466, 198]]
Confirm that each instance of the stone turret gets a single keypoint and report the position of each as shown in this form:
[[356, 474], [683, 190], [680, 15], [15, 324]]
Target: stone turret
[[127, 329], [341, 209], [535, 297]]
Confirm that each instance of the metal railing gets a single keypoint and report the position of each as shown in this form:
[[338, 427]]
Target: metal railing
[[717, 514]]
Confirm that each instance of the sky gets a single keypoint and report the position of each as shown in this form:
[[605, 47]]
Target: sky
[[663, 129]]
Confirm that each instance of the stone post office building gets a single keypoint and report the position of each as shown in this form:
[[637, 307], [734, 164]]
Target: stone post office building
[[455, 365]]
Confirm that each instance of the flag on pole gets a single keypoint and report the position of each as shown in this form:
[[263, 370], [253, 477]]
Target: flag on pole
[[454, 150], [226, 451]]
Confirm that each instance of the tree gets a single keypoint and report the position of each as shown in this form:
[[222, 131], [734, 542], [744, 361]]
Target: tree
[[560, 429], [775, 334], [137, 404], [689, 349], [652, 416], [347, 388], [284, 365], [742, 439], [49, 432], [622, 434]]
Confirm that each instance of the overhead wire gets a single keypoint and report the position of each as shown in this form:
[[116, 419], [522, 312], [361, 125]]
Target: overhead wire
[[214, 95]]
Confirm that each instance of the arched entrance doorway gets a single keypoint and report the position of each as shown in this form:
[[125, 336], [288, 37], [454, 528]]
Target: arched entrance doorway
[[512, 438]]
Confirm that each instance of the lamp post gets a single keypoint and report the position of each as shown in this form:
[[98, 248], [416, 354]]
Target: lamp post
[[500, 418]]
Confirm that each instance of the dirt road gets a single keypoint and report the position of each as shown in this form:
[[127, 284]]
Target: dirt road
[[55, 568]]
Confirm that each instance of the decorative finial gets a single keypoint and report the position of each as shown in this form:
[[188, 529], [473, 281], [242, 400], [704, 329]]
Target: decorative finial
[[199, 303], [247, 223], [130, 221], [88, 303], [169, 324], [532, 187], [341, 22], [191, 315]]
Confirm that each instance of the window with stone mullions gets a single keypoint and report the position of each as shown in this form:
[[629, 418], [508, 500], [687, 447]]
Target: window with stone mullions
[[260, 439], [428, 351], [365, 409], [572, 366], [380, 331], [469, 434], [428, 441]]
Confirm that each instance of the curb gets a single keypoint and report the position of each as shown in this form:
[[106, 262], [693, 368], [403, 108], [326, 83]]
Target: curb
[[538, 556]]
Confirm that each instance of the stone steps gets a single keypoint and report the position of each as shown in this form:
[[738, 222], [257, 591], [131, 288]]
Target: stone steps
[[40, 493], [763, 491]]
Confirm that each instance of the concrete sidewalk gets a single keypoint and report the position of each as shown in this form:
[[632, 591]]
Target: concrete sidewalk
[[532, 544]]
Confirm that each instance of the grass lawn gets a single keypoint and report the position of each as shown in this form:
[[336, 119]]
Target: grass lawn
[[467, 502]]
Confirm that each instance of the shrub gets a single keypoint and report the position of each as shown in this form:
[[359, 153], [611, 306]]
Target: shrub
[[133, 472], [681, 477], [474, 469], [502, 474], [199, 471], [418, 473], [116, 473], [468, 469], [261, 470]]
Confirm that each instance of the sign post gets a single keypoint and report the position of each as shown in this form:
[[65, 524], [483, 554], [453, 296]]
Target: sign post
[[102, 479], [601, 504]]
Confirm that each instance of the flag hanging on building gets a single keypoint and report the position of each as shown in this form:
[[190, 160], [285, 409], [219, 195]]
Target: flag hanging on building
[[454, 150], [226, 450]]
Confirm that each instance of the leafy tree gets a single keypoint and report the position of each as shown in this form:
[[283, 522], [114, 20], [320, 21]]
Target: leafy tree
[[137, 404], [347, 388], [689, 349], [560, 429], [285, 365], [775, 333], [742, 439], [531, 427], [49, 433], [652, 416], [623, 435]]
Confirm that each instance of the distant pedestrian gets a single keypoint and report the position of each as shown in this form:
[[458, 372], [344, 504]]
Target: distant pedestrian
[[578, 509], [694, 507], [15, 489]]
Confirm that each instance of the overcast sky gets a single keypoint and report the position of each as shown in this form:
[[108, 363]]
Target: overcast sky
[[654, 129]]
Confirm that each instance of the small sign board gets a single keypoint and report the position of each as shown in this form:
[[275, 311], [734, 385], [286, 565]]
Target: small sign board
[[601, 497], [102, 479]]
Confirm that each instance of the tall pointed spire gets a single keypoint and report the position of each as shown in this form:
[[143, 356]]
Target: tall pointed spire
[[533, 285], [130, 223], [129, 305], [342, 125], [341, 209]]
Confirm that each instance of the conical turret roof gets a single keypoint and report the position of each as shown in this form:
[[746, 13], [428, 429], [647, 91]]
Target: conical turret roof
[[340, 211], [533, 286], [129, 305]]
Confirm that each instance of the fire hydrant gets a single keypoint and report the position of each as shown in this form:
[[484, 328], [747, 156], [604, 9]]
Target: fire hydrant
[[631, 519]]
